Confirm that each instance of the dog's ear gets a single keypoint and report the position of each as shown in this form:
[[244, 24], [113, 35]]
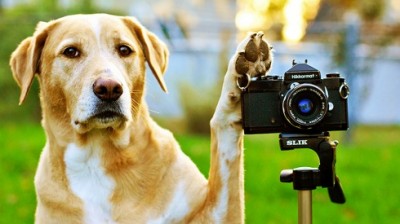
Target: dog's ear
[[155, 51], [25, 60]]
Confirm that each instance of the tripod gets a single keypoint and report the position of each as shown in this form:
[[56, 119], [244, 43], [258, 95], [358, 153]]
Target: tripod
[[306, 179]]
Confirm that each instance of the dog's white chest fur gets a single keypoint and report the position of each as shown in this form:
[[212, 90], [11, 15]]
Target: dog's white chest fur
[[90, 183]]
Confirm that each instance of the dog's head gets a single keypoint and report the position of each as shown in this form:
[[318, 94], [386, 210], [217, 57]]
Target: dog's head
[[90, 68]]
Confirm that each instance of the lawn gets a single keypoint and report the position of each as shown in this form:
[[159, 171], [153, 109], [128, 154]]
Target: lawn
[[367, 167]]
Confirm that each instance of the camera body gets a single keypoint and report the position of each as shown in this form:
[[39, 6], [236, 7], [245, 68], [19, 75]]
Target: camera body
[[301, 102]]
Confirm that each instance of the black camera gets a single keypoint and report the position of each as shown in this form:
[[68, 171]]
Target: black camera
[[301, 102]]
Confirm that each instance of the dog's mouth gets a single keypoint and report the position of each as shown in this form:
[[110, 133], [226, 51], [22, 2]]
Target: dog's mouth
[[107, 112], [107, 116], [104, 116]]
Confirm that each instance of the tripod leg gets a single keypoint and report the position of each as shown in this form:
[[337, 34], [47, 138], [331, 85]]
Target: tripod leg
[[304, 206]]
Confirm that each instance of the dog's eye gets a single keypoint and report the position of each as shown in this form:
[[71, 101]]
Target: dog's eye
[[124, 50], [71, 52]]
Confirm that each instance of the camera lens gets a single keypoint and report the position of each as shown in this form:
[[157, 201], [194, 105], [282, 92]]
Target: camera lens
[[304, 106]]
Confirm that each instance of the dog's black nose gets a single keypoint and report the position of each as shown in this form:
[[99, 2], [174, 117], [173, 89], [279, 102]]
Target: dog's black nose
[[107, 89]]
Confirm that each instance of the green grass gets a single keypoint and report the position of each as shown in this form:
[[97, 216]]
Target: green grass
[[20, 149], [368, 169]]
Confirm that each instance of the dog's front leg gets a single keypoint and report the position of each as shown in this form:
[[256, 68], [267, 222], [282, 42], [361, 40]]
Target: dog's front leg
[[225, 200]]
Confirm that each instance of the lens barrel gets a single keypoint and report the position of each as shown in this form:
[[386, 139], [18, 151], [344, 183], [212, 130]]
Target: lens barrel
[[304, 106]]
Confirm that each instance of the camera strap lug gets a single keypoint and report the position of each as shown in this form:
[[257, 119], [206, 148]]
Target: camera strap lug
[[344, 91], [243, 82]]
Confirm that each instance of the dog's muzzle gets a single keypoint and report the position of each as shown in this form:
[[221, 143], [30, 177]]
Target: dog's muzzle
[[108, 108]]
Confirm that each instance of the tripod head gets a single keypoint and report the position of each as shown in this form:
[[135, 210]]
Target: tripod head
[[305, 178]]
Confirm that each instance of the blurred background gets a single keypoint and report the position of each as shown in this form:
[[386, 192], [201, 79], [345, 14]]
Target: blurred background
[[358, 39]]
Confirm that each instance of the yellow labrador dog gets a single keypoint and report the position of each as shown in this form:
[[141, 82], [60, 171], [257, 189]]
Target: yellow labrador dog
[[105, 159]]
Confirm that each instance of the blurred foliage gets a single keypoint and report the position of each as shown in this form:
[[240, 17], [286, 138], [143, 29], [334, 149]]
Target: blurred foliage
[[198, 103], [375, 29], [368, 10], [367, 17], [198, 108], [16, 24], [271, 14]]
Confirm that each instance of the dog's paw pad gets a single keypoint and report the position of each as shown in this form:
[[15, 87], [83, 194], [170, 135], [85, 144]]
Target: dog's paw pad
[[242, 64], [251, 51], [254, 56], [265, 51]]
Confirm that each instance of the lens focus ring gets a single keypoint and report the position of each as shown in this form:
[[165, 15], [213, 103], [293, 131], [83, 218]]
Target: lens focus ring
[[304, 106]]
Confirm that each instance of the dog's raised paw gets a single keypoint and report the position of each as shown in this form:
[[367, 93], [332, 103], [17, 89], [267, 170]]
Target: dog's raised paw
[[254, 56]]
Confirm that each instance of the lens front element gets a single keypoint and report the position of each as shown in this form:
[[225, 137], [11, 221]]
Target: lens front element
[[305, 106]]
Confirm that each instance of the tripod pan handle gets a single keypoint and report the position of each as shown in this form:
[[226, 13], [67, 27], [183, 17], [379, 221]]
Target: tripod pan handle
[[336, 192]]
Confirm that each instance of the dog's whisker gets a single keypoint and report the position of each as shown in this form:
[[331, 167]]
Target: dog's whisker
[[154, 111]]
